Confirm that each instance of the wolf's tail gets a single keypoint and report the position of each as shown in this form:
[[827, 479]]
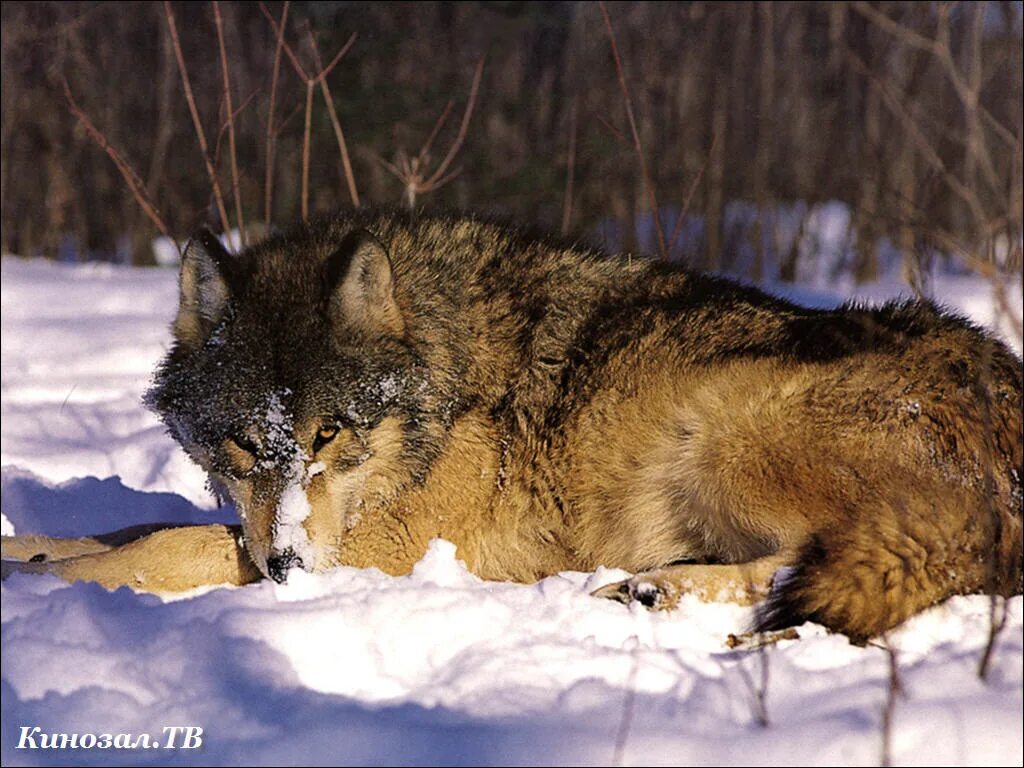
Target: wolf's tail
[[901, 556]]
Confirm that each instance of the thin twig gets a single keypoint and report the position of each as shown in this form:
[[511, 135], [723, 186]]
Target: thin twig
[[232, 147], [940, 49], [626, 722], [311, 81], [268, 179], [613, 130], [196, 122], [652, 197], [291, 116], [570, 171], [441, 120], [131, 178], [434, 181], [758, 691], [677, 230], [446, 178], [914, 132], [305, 150], [296, 64], [894, 689], [389, 167], [339, 135], [411, 171], [279, 31], [224, 126]]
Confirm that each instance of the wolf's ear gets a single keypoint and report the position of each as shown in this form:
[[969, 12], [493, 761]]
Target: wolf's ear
[[204, 292], [358, 277]]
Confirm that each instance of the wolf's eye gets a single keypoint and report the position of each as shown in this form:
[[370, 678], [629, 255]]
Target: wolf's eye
[[242, 453], [244, 444], [324, 435]]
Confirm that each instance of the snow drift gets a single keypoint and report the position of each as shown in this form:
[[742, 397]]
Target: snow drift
[[439, 667]]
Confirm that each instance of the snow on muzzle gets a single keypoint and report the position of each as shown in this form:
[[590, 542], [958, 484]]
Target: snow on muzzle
[[290, 545]]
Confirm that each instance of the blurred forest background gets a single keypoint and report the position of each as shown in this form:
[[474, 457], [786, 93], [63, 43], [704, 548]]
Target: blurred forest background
[[748, 117]]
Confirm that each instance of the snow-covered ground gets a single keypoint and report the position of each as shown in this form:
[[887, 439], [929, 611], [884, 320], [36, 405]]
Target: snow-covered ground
[[438, 667]]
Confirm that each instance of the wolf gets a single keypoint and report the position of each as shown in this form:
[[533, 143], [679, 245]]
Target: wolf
[[372, 380]]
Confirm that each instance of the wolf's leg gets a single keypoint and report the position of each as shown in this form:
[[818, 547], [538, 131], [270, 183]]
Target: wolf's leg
[[38, 548], [742, 583], [170, 560]]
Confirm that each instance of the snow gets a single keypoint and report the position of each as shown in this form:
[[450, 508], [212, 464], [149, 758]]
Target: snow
[[438, 667], [292, 510]]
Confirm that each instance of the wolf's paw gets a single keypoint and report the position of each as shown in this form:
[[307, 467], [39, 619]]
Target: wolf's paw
[[650, 589]]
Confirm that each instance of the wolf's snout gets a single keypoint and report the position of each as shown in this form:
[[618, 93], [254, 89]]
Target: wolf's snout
[[278, 565]]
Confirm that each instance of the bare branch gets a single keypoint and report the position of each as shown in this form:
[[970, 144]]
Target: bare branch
[[570, 171], [677, 230], [894, 689], [321, 78], [412, 171], [940, 49], [443, 180], [131, 178], [908, 36], [389, 167], [324, 72], [232, 147], [914, 132], [613, 130], [291, 115], [196, 122], [296, 65], [305, 150], [279, 31], [224, 125], [753, 640], [441, 120], [435, 179], [268, 179], [339, 135], [652, 198]]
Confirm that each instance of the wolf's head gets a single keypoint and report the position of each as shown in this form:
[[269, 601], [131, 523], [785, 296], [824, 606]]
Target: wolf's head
[[293, 383]]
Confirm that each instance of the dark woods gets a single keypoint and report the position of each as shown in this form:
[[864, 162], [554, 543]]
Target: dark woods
[[908, 113]]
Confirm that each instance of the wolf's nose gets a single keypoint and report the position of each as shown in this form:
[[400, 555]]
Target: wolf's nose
[[278, 565]]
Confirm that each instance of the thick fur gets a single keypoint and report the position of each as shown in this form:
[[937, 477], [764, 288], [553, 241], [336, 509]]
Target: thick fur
[[546, 406]]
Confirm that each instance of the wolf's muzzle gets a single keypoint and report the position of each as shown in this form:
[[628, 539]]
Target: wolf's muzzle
[[278, 565]]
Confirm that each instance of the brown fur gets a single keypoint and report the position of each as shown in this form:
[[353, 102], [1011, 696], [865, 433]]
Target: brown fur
[[581, 410]]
